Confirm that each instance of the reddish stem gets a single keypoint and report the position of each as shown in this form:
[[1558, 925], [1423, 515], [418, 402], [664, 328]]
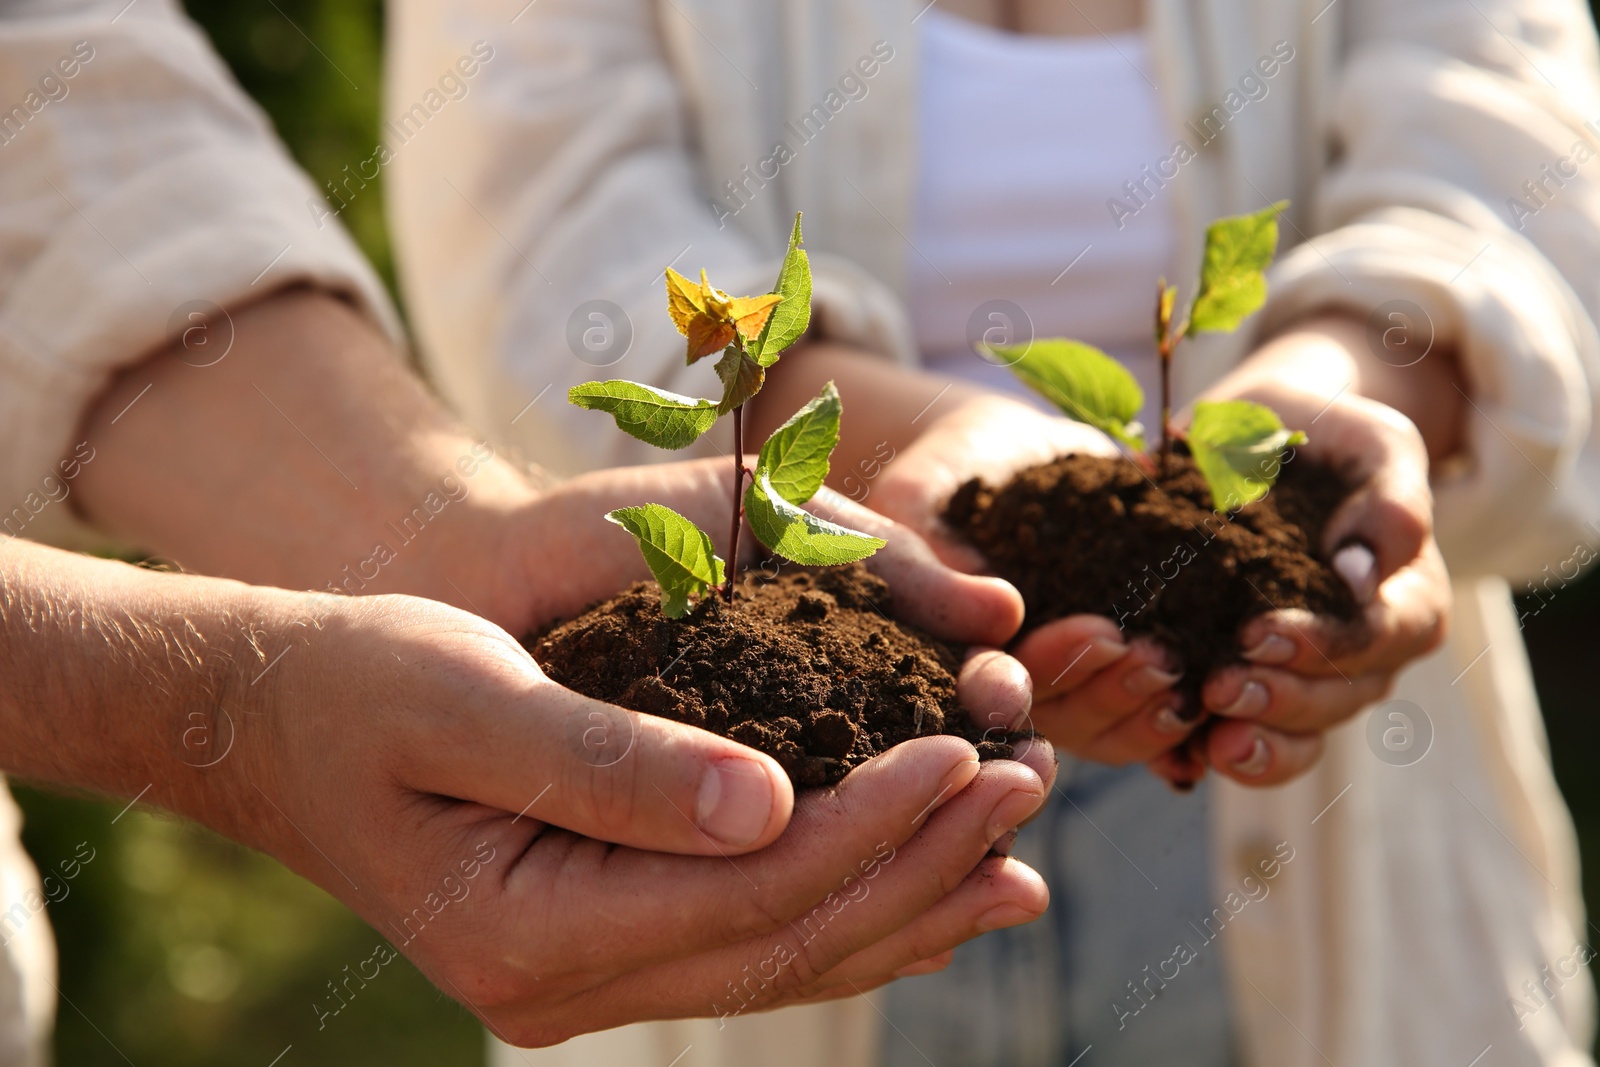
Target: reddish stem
[[1166, 402], [738, 501]]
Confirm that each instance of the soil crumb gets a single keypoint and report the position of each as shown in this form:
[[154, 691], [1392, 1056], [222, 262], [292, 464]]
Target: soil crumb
[[1097, 535], [806, 667]]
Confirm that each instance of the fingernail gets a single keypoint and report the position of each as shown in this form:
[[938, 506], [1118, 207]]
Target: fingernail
[[735, 801], [1148, 680], [1014, 807], [1251, 702], [1104, 651], [1356, 564], [1272, 649], [1003, 915], [1256, 762], [1168, 721], [1004, 843], [931, 966]]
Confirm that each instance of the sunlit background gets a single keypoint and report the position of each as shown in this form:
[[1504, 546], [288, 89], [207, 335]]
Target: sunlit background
[[181, 949]]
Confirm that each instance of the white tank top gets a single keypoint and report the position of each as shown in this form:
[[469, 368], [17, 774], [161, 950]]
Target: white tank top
[[1022, 143]]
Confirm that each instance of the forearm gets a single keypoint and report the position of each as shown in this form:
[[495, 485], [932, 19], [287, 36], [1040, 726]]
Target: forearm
[[132, 683], [308, 456]]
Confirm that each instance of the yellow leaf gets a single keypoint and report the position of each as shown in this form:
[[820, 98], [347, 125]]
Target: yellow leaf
[[707, 337], [710, 318], [750, 313], [685, 301]]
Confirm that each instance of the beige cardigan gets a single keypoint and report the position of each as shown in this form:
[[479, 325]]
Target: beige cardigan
[[595, 149]]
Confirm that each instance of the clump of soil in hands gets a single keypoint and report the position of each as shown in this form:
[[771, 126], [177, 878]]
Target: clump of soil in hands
[[1098, 535], [806, 667]]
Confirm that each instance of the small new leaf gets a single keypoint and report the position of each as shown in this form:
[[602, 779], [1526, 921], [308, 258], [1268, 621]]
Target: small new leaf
[[1084, 382], [798, 535], [742, 379], [1238, 446], [795, 457], [1232, 285], [791, 318], [1166, 298], [677, 552], [710, 318], [655, 416]]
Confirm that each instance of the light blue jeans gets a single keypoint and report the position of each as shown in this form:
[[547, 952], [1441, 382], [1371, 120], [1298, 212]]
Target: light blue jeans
[[1126, 862]]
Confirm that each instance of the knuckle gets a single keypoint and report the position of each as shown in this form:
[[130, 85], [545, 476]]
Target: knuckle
[[759, 916]]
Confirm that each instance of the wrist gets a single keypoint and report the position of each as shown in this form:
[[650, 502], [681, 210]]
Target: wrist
[[1333, 355], [454, 539], [131, 683]]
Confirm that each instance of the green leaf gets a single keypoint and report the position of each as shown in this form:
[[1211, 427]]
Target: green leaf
[[741, 376], [796, 455], [798, 535], [1084, 382], [677, 551], [791, 318], [653, 415], [1238, 446], [1232, 285]]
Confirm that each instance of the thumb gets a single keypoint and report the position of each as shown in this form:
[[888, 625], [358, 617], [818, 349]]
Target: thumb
[[547, 753]]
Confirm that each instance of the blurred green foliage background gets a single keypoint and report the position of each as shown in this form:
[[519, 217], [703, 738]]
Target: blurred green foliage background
[[182, 949]]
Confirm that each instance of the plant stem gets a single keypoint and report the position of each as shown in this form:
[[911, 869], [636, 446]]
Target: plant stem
[[1166, 403], [1164, 345], [738, 501]]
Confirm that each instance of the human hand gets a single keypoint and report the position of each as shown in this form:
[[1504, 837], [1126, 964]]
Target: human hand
[[1095, 693], [1307, 674], [418, 765]]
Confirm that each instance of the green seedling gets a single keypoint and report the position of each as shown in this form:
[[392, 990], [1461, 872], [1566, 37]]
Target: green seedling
[[751, 332], [1237, 445]]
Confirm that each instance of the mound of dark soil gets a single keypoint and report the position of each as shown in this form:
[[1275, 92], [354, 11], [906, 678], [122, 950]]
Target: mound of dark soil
[[807, 668], [1095, 535]]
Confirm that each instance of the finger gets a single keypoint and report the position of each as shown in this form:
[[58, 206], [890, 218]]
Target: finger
[[1143, 736], [1115, 693], [1407, 618], [995, 691], [1256, 755], [1289, 701], [1182, 767], [634, 908], [1064, 654], [928, 966], [1000, 893], [510, 738], [1391, 507], [966, 608], [856, 915]]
